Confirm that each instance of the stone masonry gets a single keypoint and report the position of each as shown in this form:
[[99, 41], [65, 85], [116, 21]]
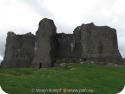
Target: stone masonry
[[88, 42]]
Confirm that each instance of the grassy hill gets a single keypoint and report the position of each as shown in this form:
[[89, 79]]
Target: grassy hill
[[90, 78]]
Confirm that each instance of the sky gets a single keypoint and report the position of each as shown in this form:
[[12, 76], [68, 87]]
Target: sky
[[22, 16]]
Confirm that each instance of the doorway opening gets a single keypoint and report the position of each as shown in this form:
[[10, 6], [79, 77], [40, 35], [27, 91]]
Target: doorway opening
[[40, 65], [84, 59]]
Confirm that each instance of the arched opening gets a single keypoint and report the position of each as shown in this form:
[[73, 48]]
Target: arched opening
[[40, 65], [100, 48], [84, 59]]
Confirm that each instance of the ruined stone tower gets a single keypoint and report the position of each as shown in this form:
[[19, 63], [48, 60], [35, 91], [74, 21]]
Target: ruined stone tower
[[88, 42], [45, 44], [19, 50], [97, 43]]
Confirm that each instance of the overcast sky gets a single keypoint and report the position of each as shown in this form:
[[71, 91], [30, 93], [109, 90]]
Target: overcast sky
[[22, 16]]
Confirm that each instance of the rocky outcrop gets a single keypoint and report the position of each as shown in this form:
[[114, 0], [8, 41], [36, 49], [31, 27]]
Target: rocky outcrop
[[45, 44], [88, 42], [19, 50]]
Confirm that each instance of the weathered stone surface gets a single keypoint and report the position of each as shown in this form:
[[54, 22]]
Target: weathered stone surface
[[19, 50], [97, 43], [88, 42], [124, 60], [45, 44], [65, 45]]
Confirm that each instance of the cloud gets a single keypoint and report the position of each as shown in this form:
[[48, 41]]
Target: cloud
[[39, 7], [1, 58], [17, 14], [72, 13], [23, 16]]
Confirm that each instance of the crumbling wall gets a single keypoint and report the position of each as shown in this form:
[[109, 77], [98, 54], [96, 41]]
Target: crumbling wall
[[65, 46], [19, 50], [45, 44], [124, 60], [98, 43], [88, 42]]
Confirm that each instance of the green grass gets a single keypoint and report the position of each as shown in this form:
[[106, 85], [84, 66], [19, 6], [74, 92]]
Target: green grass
[[100, 79]]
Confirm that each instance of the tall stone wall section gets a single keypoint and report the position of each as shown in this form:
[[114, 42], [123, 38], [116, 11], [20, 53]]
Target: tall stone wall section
[[65, 45], [19, 50], [98, 43], [45, 44]]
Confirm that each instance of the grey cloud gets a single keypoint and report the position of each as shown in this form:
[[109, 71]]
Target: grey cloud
[[39, 7], [99, 19], [2, 43]]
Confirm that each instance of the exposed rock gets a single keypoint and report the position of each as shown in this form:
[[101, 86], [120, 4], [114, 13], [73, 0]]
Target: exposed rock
[[45, 44]]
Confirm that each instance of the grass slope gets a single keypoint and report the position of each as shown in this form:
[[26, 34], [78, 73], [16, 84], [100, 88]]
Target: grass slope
[[101, 79]]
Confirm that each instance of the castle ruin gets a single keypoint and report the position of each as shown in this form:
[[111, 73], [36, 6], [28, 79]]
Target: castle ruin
[[88, 42]]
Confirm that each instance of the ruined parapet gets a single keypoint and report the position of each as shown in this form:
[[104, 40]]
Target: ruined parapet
[[19, 50], [98, 43], [45, 44]]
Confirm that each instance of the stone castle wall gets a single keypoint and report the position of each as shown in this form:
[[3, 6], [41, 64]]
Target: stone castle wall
[[88, 42], [19, 50], [64, 46]]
